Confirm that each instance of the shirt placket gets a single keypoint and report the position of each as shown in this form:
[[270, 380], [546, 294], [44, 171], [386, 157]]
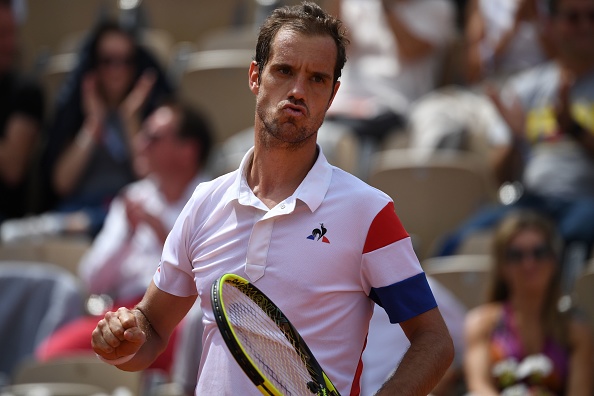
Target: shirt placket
[[259, 244]]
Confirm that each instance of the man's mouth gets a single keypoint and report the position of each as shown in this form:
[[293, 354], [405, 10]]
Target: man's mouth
[[294, 110]]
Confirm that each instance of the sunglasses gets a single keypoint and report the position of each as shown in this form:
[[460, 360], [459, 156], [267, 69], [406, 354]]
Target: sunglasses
[[538, 253], [575, 17], [115, 61]]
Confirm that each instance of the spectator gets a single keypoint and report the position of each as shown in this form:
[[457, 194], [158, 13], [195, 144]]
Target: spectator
[[89, 154], [21, 119], [550, 144], [519, 342], [395, 57], [504, 37], [175, 143]]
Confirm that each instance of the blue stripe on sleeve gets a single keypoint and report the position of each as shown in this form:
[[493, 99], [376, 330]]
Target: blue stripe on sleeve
[[406, 299]]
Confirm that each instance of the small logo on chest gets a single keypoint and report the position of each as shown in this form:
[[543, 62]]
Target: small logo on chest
[[319, 234]]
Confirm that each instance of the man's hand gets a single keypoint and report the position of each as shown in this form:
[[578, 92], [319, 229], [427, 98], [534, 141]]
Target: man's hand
[[136, 215], [118, 334], [511, 111]]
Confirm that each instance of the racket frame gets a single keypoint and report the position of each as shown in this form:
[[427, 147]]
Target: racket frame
[[241, 355]]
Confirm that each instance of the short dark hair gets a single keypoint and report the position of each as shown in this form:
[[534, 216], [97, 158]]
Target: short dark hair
[[306, 18], [194, 126]]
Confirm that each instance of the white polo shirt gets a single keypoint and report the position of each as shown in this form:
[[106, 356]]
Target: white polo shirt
[[321, 255]]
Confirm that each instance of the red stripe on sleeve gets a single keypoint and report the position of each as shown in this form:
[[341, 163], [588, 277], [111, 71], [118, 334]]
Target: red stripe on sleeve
[[385, 229]]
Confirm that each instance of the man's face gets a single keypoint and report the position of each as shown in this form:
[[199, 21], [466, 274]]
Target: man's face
[[115, 68], [158, 143], [573, 28], [295, 90]]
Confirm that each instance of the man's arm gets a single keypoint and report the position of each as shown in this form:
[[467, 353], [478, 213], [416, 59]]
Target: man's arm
[[109, 250], [430, 354], [565, 118], [507, 160], [143, 331], [411, 46]]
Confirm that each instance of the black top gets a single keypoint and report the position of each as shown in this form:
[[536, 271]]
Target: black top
[[18, 96], [68, 114]]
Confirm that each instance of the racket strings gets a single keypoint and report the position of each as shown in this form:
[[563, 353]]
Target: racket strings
[[269, 339]]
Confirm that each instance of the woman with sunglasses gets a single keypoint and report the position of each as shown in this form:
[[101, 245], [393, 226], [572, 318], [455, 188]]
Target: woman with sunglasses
[[89, 155], [520, 342]]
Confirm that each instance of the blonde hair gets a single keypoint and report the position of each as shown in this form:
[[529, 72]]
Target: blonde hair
[[555, 322]]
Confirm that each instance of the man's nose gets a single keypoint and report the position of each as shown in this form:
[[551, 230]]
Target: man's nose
[[298, 87]]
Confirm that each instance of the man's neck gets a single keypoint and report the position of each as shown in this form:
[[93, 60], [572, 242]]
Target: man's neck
[[275, 173]]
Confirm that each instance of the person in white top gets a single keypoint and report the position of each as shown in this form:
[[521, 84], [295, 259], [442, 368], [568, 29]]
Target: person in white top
[[395, 53], [318, 241], [173, 145], [395, 57], [504, 37]]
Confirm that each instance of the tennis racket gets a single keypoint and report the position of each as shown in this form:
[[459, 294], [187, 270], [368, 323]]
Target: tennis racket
[[264, 343]]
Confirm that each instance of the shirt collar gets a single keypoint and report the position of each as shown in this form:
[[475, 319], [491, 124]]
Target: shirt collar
[[313, 188], [311, 191]]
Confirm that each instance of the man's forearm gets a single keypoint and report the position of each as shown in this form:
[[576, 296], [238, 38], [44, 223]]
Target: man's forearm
[[411, 47], [150, 350], [422, 367]]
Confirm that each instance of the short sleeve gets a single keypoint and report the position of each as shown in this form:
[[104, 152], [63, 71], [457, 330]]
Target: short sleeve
[[391, 271], [174, 274]]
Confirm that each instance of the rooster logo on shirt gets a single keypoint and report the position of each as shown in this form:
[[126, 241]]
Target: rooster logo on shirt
[[318, 233]]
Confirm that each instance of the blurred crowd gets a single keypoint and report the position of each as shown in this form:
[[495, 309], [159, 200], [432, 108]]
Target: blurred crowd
[[111, 152]]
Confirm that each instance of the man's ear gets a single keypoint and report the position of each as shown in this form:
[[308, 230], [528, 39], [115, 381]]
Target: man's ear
[[334, 91], [254, 75]]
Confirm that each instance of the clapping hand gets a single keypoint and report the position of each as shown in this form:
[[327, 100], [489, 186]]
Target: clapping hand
[[511, 111], [137, 97], [93, 105]]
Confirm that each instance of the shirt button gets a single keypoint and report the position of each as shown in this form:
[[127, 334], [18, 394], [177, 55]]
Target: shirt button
[[282, 206]]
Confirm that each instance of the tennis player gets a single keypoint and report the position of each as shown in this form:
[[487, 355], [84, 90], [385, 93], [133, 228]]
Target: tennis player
[[323, 245]]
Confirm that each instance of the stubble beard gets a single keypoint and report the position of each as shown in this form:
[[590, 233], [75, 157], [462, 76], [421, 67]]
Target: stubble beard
[[275, 135]]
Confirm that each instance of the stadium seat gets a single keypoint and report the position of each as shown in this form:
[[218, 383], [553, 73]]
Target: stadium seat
[[465, 276], [53, 389], [433, 191], [63, 252], [35, 300], [82, 370], [216, 82]]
